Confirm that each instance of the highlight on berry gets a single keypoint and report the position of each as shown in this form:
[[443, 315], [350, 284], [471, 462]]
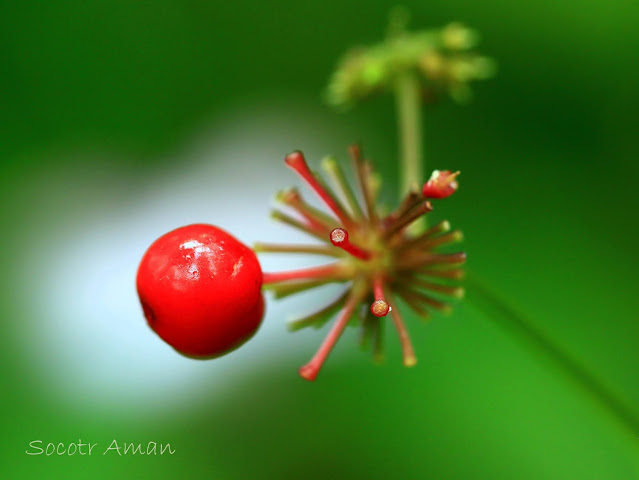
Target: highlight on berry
[[376, 257]]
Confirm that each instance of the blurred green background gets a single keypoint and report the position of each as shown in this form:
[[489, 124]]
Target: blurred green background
[[121, 120]]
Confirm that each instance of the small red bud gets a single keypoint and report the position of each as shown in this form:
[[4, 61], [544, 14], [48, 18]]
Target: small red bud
[[339, 238], [296, 160], [442, 184], [380, 308]]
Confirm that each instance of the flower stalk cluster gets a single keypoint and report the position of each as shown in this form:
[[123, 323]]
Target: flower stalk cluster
[[378, 258]]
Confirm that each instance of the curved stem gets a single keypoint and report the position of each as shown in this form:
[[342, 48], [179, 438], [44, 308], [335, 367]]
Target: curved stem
[[521, 327]]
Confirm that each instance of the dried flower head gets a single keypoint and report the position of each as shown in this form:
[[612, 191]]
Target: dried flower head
[[376, 256]]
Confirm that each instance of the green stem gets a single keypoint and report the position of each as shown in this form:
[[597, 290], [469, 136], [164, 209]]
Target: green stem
[[524, 330], [409, 116]]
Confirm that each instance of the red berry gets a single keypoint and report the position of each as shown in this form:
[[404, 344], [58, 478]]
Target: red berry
[[441, 184], [200, 290]]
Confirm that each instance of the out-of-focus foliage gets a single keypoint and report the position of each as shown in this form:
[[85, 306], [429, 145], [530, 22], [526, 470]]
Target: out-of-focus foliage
[[443, 58]]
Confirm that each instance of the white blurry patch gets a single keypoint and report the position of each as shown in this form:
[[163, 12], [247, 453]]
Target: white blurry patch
[[87, 337]]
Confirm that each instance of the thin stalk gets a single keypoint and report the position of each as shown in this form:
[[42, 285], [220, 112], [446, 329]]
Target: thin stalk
[[378, 341], [300, 225], [453, 291], [380, 307], [408, 354], [297, 162], [313, 216], [456, 274], [355, 153], [410, 201], [441, 227], [421, 298], [332, 167], [429, 244], [409, 117], [339, 238], [307, 249], [417, 260], [319, 318], [416, 305], [409, 218], [312, 368], [331, 272], [283, 290], [452, 237], [366, 329]]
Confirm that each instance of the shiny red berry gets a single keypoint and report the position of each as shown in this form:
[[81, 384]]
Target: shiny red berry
[[200, 290]]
